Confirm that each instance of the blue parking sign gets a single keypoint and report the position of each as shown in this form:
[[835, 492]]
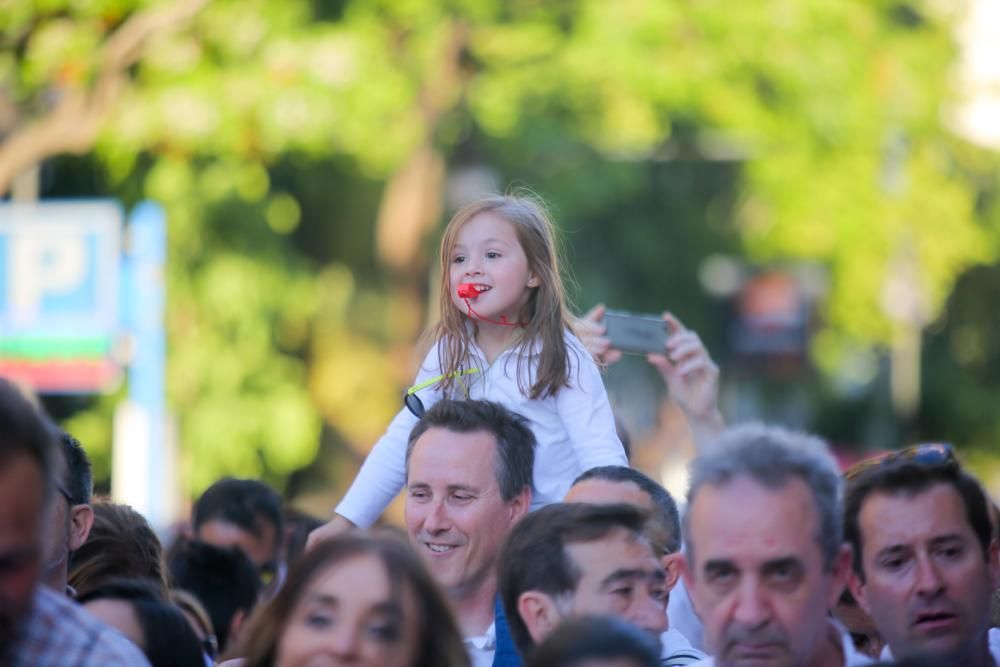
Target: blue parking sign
[[59, 269]]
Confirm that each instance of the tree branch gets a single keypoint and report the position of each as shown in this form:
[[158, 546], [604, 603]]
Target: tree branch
[[76, 119]]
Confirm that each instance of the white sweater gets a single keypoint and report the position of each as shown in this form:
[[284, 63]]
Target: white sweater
[[575, 429]]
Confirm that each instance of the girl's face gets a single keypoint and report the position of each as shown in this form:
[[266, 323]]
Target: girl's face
[[347, 616], [487, 254]]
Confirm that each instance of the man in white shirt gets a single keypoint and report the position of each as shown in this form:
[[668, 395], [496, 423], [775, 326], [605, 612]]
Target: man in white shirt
[[468, 481], [926, 560], [765, 561]]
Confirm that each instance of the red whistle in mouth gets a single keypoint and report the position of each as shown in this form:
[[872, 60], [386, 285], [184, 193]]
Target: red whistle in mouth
[[468, 291]]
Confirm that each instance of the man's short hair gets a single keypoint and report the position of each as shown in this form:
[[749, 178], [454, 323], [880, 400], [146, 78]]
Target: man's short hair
[[590, 640], [79, 479], [910, 478], [772, 456], [534, 556], [24, 429], [224, 580], [515, 458], [664, 513], [241, 502]]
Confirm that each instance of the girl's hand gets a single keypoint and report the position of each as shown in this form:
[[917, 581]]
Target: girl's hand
[[690, 374], [338, 525], [591, 333]]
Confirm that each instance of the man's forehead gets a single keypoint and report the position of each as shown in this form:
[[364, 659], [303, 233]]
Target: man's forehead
[[603, 491], [745, 522], [904, 518], [444, 456]]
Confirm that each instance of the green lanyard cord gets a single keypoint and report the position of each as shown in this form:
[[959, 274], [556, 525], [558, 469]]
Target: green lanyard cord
[[457, 375]]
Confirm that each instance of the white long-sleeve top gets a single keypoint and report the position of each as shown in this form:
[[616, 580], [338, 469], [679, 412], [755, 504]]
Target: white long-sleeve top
[[575, 429]]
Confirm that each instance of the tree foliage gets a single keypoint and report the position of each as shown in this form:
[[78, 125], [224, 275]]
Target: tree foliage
[[302, 150]]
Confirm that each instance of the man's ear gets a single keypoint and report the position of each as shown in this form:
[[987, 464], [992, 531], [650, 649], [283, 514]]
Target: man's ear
[[840, 572], [856, 585], [672, 564], [519, 505], [687, 570], [539, 613], [81, 520]]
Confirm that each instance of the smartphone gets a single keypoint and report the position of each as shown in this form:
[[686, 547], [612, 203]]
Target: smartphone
[[635, 333]]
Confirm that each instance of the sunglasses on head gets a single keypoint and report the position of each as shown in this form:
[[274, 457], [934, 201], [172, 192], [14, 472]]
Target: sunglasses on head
[[413, 402], [929, 454]]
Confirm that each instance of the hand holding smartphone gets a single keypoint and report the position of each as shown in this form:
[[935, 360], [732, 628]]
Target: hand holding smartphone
[[639, 334]]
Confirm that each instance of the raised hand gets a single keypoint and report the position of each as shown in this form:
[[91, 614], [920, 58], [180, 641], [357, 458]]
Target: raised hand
[[591, 333]]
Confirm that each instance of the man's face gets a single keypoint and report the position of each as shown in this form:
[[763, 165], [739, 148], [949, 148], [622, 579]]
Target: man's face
[[757, 576], [22, 530], [264, 550], [926, 582], [620, 576], [455, 515]]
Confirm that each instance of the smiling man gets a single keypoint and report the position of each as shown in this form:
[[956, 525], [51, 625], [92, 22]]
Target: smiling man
[[926, 564], [468, 481], [765, 560]]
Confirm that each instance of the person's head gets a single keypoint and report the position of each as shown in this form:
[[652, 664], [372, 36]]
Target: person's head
[[222, 579], [507, 245], [72, 516], [298, 525], [765, 559], [247, 514], [596, 641], [468, 480], [621, 484], [571, 559], [357, 599], [926, 563], [122, 544], [28, 464], [135, 608]]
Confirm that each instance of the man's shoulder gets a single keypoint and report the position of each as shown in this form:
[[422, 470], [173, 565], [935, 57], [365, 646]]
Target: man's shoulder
[[59, 632]]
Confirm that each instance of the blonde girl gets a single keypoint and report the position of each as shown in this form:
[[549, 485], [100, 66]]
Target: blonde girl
[[504, 335]]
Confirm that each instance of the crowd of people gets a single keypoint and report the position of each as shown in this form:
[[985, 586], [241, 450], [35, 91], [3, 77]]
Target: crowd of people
[[528, 539]]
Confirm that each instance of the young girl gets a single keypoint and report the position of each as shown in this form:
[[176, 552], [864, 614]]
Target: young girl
[[504, 336]]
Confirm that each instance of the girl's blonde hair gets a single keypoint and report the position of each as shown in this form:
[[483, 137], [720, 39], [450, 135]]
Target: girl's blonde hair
[[546, 314]]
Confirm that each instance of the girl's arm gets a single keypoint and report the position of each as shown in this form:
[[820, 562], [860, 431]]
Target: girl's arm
[[586, 413]]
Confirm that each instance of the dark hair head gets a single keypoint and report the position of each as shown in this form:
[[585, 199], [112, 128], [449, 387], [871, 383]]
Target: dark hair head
[[534, 555], [241, 502], [772, 456], [909, 478], [580, 641], [121, 545], [515, 457], [440, 644], [664, 519], [24, 429], [224, 580], [168, 640], [79, 480]]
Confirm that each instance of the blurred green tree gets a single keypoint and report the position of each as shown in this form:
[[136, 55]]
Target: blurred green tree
[[661, 131]]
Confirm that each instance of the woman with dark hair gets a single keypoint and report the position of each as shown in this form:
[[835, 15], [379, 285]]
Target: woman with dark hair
[[364, 599], [159, 628]]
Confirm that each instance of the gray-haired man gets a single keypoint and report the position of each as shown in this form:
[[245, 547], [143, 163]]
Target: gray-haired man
[[766, 559]]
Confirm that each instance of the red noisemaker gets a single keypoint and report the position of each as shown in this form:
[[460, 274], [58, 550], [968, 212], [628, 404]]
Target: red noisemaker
[[470, 291]]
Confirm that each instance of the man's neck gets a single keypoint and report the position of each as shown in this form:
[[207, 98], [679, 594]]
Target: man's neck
[[977, 655], [474, 607], [56, 578], [831, 650]]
